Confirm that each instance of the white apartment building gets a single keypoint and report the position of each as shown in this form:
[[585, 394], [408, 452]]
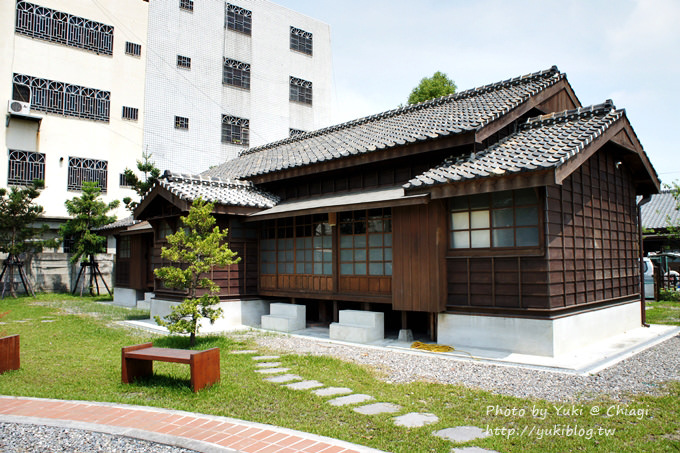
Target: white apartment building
[[73, 78], [226, 75]]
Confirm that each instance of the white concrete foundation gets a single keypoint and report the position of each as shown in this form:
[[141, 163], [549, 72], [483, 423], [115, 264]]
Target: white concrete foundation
[[126, 297], [543, 337], [358, 326], [236, 314], [285, 317]]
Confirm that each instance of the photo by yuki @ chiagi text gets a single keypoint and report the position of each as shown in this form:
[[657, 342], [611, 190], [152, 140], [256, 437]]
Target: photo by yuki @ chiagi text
[[570, 411]]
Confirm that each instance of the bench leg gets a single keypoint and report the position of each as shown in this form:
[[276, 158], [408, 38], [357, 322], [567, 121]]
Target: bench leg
[[205, 369], [132, 369]]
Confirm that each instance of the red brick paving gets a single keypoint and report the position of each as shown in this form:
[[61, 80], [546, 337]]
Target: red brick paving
[[231, 434]]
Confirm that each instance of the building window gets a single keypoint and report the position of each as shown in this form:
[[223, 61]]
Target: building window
[[164, 230], [62, 98], [183, 62], [507, 219], [123, 181], [235, 130], [82, 170], [303, 245], [366, 242], [300, 40], [130, 113], [239, 19], [133, 49], [181, 122], [25, 167], [295, 132], [300, 90], [54, 26], [186, 5], [236, 74]]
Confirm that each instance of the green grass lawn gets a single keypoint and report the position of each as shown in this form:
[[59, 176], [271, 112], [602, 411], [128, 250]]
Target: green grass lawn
[[70, 349], [663, 312]]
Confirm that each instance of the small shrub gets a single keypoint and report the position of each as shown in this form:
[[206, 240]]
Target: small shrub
[[669, 295]]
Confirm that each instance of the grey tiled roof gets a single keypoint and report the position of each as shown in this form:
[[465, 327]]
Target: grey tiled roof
[[215, 190], [543, 142], [454, 114], [661, 209], [122, 223]]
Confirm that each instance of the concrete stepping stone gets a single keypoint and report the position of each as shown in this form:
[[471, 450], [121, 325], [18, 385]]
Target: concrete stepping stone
[[472, 450], [268, 364], [284, 378], [304, 385], [272, 370], [355, 398], [377, 408], [48, 320], [462, 433], [415, 419], [330, 391], [244, 351], [266, 357]]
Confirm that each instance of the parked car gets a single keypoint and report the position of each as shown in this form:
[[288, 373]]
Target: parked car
[[648, 278]]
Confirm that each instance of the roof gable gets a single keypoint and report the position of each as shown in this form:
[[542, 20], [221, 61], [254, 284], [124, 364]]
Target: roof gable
[[467, 111]]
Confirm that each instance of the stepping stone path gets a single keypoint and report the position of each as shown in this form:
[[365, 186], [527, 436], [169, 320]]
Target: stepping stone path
[[410, 420], [377, 408]]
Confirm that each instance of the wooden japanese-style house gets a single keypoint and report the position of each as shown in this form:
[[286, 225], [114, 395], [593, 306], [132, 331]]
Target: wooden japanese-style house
[[500, 217]]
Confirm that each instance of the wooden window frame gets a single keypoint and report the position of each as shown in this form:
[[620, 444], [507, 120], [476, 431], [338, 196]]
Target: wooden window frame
[[356, 221]]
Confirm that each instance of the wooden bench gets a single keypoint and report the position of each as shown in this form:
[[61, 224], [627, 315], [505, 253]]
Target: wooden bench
[[137, 361]]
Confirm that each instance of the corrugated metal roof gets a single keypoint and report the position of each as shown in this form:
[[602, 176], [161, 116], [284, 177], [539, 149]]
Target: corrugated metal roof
[[661, 211], [454, 114]]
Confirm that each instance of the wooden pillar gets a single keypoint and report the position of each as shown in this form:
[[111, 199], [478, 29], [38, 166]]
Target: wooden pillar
[[336, 315], [404, 320]]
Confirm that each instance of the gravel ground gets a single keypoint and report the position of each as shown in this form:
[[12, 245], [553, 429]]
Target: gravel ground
[[21, 438], [643, 373]]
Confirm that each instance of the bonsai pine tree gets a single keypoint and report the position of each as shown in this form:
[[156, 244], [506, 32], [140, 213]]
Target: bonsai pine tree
[[141, 185], [19, 233], [195, 249], [88, 212]]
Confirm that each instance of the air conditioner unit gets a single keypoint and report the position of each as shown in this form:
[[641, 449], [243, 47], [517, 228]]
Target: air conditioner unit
[[19, 107]]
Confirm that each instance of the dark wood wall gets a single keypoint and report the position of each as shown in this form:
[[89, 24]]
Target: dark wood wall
[[591, 251]]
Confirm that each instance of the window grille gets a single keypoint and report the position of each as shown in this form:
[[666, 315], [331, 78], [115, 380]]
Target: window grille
[[55, 26], [123, 181], [183, 62], [130, 113], [82, 170], [181, 122], [63, 98], [300, 90], [133, 49], [236, 73], [301, 40], [365, 242], [295, 132], [239, 19], [25, 167], [187, 5], [235, 130]]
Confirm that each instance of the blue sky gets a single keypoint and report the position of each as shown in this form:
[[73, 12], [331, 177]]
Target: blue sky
[[624, 50]]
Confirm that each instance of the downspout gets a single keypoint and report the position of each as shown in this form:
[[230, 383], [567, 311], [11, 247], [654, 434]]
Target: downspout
[[643, 314]]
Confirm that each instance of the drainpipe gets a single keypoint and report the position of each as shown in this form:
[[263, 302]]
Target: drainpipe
[[643, 314]]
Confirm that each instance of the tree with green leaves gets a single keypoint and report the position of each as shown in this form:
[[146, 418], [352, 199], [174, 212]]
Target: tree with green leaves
[[19, 233], [144, 184], [88, 213], [195, 249], [432, 87]]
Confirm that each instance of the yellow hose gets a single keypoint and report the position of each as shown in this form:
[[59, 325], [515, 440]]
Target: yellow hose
[[431, 347]]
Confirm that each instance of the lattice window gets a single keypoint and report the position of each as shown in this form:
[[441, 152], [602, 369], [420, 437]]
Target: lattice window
[[300, 40], [55, 26], [186, 5], [181, 122], [63, 98], [123, 181], [130, 113], [300, 90], [183, 62], [239, 19], [236, 73], [295, 132], [366, 242], [133, 49], [82, 170], [25, 167], [235, 130]]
